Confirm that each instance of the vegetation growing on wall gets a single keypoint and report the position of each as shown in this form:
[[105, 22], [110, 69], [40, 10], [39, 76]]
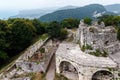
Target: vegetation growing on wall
[[86, 47], [98, 53], [60, 77]]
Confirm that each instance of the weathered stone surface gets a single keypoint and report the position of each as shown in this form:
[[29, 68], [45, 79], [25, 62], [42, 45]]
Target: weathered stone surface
[[23, 62], [24, 78], [85, 64], [30, 66], [99, 37]]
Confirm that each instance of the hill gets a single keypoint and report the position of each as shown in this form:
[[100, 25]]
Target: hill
[[68, 7], [113, 8], [80, 12], [36, 13], [33, 13]]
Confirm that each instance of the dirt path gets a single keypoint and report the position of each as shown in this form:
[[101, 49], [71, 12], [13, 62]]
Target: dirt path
[[51, 71]]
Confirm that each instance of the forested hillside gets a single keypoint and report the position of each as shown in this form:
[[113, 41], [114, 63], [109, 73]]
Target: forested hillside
[[82, 12]]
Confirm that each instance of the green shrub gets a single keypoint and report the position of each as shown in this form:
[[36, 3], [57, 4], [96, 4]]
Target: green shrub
[[98, 53], [42, 50], [89, 47], [83, 48], [88, 21], [86, 47], [60, 77]]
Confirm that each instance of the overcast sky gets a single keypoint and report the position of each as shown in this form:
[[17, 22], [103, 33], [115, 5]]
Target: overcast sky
[[11, 7], [32, 4]]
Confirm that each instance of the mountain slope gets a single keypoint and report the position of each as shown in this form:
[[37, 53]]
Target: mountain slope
[[36, 13], [33, 13], [113, 8], [81, 12], [67, 7]]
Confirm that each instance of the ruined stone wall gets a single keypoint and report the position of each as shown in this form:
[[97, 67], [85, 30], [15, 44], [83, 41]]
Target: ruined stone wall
[[30, 50], [28, 66], [84, 72], [85, 69], [102, 38], [20, 62]]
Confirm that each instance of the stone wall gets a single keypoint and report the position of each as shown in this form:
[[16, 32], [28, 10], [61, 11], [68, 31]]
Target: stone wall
[[28, 66], [30, 50], [102, 38], [85, 64], [22, 62]]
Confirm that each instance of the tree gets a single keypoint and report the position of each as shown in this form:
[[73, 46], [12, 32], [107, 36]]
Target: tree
[[63, 34], [3, 39], [70, 23], [118, 33], [54, 29], [110, 20], [87, 21], [22, 34], [40, 27], [3, 55]]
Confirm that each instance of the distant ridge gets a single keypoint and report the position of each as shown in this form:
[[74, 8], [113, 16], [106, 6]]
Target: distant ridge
[[113, 8], [33, 13], [56, 13], [81, 12], [36, 13], [68, 7]]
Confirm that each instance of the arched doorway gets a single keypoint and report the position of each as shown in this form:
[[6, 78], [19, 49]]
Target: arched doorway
[[68, 70], [103, 75]]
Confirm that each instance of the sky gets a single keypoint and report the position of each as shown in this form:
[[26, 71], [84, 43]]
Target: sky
[[12, 7]]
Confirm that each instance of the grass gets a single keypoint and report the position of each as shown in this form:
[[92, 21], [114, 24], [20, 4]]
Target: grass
[[86, 47], [38, 76], [98, 53], [37, 38], [32, 75], [44, 36], [70, 39], [60, 77]]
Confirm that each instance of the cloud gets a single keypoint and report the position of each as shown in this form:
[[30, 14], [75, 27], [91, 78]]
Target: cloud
[[30, 4]]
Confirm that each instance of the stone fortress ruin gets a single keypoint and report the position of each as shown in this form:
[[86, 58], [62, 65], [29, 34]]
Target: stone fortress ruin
[[73, 59], [76, 64], [99, 37]]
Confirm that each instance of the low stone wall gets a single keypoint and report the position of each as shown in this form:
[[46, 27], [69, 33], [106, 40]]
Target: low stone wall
[[30, 50], [9, 72], [28, 66]]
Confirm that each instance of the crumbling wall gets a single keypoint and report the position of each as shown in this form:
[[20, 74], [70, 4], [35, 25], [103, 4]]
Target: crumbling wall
[[98, 37]]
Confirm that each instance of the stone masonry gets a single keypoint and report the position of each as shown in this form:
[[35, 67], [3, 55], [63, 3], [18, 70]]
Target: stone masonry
[[89, 67], [98, 36], [86, 65], [22, 64]]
